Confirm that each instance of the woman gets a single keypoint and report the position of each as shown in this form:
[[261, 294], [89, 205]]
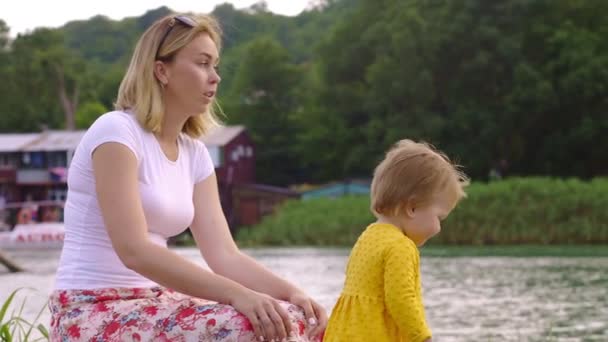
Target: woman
[[139, 176]]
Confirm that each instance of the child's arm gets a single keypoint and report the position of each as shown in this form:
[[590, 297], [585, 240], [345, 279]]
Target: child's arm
[[401, 292]]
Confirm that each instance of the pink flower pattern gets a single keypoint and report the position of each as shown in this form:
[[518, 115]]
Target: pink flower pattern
[[155, 314]]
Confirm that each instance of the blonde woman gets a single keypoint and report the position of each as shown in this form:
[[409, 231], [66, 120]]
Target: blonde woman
[[139, 176]]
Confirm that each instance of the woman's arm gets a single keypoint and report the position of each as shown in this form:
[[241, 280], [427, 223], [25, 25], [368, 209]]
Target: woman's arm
[[212, 235], [115, 169]]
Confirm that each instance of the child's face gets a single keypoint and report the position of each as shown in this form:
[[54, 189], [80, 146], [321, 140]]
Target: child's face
[[424, 222]]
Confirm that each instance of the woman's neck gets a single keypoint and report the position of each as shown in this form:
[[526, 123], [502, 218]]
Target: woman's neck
[[171, 127]]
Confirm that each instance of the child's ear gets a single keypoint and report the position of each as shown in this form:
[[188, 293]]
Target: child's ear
[[409, 208]]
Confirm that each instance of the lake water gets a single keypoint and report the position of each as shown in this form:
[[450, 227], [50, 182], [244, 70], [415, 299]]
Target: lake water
[[466, 298]]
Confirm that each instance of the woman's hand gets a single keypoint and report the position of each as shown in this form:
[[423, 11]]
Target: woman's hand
[[269, 320], [316, 317]]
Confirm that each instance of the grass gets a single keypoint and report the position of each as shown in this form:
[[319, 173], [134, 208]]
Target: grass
[[523, 251], [14, 327]]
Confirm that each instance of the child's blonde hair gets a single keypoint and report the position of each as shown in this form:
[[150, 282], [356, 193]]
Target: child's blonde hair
[[414, 172], [141, 92]]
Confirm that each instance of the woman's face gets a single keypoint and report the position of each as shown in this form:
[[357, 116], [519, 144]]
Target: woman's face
[[192, 77]]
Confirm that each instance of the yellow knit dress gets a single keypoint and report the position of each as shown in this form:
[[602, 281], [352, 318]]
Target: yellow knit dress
[[381, 300]]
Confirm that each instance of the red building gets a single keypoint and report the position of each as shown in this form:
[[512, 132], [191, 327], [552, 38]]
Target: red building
[[233, 154], [33, 166], [244, 202]]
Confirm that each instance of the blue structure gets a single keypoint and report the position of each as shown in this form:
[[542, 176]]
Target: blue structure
[[340, 189]]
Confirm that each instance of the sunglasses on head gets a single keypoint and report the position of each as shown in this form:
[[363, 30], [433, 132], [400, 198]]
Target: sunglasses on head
[[182, 19]]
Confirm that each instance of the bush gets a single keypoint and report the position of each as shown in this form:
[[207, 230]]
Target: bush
[[320, 222], [512, 211]]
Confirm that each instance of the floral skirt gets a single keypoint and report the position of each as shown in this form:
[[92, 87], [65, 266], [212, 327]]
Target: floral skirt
[[152, 314]]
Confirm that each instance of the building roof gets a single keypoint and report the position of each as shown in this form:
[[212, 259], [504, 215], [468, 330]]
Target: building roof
[[68, 140], [14, 142], [222, 135], [55, 141]]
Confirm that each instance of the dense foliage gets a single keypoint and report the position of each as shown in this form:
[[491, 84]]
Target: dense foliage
[[517, 211], [517, 85]]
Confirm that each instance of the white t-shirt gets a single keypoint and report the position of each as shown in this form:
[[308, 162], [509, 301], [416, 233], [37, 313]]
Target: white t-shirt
[[166, 189]]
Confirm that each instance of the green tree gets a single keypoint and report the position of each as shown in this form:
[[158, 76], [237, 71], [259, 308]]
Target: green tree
[[4, 37], [87, 113], [60, 74], [329, 90], [515, 80], [262, 98]]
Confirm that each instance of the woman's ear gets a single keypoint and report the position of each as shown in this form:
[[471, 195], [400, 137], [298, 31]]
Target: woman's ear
[[161, 73]]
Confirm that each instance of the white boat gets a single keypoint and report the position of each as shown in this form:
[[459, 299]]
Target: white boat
[[37, 235], [30, 233]]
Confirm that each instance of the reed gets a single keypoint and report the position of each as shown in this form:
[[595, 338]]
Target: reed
[[13, 327]]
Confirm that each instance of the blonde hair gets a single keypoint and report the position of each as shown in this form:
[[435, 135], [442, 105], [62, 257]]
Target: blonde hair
[[414, 171], [141, 92]]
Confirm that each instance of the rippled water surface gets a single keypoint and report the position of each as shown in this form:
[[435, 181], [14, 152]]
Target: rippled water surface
[[466, 298]]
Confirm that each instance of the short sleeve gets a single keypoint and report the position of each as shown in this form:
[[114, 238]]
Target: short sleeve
[[403, 298], [203, 166], [115, 127]]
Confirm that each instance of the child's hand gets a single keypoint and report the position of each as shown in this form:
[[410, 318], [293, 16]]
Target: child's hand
[[316, 317]]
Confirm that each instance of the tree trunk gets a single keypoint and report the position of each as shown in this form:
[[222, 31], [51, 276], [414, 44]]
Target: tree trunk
[[69, 105], [11, 265]]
